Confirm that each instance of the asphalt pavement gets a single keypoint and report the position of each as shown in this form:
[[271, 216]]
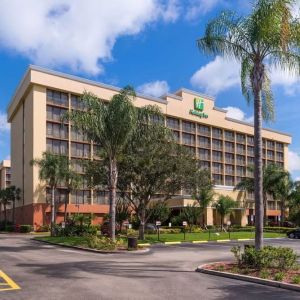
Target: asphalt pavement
[[41, 271]]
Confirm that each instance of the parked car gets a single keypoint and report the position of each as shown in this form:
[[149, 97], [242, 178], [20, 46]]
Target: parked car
[[294, 234]]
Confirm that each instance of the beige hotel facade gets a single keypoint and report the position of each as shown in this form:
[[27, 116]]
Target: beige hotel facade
[[222, 144]]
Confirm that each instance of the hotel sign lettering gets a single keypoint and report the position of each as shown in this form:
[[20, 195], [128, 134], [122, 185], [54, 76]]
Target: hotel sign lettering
[[198, 108]]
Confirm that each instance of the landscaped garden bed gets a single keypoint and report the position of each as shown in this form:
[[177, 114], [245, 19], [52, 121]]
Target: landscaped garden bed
[[275, 266]]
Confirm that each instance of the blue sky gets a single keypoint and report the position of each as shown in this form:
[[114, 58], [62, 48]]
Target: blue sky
[[150, 44]]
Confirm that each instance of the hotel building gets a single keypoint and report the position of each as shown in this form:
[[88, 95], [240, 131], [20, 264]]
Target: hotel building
[[222, 144], [5, 174]]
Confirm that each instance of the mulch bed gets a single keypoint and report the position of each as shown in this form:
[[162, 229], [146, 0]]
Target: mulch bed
[[289, 276]]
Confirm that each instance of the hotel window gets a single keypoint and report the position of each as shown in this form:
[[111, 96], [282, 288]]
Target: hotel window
[[250, 172], [80, 150], [250, 196], [55, 113], [81, 197], [217, 179], [204, 154], [204, 165], [188, 139], [240, 160], [217, 144], [240, 149], [203, 130], [57, 98], [217, 156], [250, 161], [280, 164], [77, 103], [77, 165], [217, 168], [101, 197], [204, 141], [264, 143], [96, 151], [57, 147], [271, 205], [250, 140], [229, 135], [78, 136], [240, 138], [60, 195], [190, 150], [240, 171], [229, 147], [57, 130], [279, 156], [270, 144], [217, 133], [229, 158], [270, 154], [229, 180], [173, 123], [279, 146], [176, 136], [229, 169], [250, 150], [188, 126]]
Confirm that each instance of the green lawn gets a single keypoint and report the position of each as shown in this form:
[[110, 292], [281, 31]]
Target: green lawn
[[174, 237], [204, 236]]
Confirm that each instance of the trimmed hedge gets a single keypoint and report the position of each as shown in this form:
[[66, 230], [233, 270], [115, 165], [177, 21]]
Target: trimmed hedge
[[26, 228]]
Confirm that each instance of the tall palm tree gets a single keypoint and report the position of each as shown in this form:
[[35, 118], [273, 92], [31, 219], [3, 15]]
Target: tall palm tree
[[52, 169], [273, 176], [109, 124], [269, 36], [224, 206], [202, 190], [4, 200], [13, 195]]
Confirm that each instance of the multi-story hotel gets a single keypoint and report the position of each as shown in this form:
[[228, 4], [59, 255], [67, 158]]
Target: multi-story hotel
[[222, 144], [5, 174]]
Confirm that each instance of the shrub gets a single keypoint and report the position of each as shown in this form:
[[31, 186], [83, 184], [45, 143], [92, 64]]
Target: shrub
[[132, 232], [296, 279], [264, 274], [75, 230], [43, 228], [170, 230], [269, 257], [9, 228], [102, 243], [279, 276], [26, 228]]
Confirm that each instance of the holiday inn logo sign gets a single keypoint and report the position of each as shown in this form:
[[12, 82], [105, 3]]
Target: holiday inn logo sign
[[198, 108]]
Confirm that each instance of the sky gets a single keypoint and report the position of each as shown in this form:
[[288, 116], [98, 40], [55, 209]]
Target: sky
[[149, 44]]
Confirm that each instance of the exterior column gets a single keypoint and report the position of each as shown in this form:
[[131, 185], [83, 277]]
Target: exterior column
[[244, 218], [209, 217]]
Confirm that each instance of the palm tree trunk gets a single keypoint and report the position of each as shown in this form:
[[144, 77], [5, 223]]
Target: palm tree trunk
[[53, 211], [66, 205], [257, 80], [282, 208], [113, 188], [5, 216], [265, 209]]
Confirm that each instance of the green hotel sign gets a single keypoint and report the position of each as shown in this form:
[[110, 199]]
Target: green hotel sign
[[198, 108]]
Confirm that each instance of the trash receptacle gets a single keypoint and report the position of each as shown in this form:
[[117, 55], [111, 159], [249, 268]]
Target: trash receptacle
[[132, 242]]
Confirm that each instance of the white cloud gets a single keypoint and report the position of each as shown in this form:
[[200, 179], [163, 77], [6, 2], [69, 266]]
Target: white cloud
[[154, 88], [4, 126], [294, 161], [200, 7], [238, 114], [76, 34], [217, 76]]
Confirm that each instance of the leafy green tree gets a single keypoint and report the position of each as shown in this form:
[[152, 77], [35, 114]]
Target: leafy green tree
[[224, 206], [52, 170], [273, 176], [190, 214], [4, 200], [202, 190], [13, 195], [269, 36], [109, 124], [123, 211], [153, 167], [158, 211]]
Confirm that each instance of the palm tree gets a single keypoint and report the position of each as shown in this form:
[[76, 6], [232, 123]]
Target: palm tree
[[13, 195], [202, 190], [272, 176], [52, 169], [4, 198], [110, 124], [269, 36], [224, 206]]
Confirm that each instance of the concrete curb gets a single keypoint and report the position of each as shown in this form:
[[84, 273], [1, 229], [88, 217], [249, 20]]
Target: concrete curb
[[272, 283], [143, 251]]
